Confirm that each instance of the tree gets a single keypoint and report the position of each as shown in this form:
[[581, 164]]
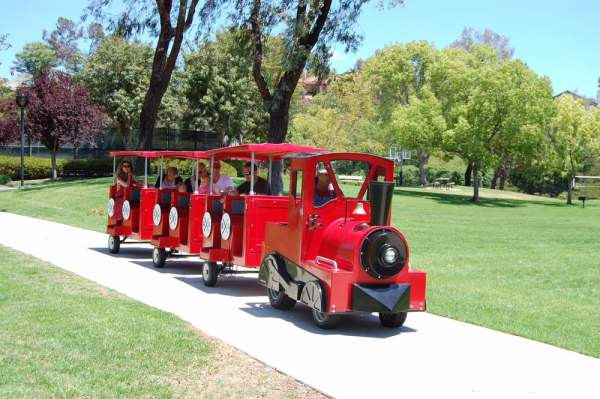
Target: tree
[[221, 92], [4, 43], [307, 27], [35, 58], [575, 135], [419, 125], [498, 109], [344, 119], [117, 75], [470, 38], [60, 111], [64, 41], [168, 20], [400, 75]]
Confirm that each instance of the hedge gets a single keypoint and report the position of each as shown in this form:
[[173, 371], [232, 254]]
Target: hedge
[[40, 168]]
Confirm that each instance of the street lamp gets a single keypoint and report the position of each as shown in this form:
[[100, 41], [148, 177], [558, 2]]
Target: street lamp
[[22, 101]]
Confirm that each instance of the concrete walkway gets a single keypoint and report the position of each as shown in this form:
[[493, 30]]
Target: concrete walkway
[[429, 357]]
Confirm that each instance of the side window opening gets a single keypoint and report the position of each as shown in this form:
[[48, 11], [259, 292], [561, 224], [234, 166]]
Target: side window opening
[[296, 184]]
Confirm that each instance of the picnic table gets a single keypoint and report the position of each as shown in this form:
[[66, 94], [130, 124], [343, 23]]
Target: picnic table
[[443, 182], [351, 179]]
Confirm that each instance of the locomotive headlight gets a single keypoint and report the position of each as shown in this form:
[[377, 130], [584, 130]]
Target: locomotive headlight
[[383, 253], [390, 255]]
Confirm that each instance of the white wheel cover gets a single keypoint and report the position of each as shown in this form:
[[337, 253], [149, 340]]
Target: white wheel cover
[[126, 210], [110, 209], [225, 226], [156, 214], [206, 224], [173, 218]]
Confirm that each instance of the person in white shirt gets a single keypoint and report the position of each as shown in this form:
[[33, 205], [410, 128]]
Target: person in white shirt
[[223, 183]]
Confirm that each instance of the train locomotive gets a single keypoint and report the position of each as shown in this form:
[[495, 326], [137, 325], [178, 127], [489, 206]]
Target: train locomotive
[[341, 256]]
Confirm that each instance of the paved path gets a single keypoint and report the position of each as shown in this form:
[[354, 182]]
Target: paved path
[[430, 356]]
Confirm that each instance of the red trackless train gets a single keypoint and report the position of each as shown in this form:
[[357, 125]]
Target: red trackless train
[[325, 244]]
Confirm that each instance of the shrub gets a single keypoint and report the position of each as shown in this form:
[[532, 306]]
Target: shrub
[[40, 168], [5, 179]]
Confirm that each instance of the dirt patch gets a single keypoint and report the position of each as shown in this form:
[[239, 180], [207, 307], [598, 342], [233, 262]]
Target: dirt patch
[[233, 374]]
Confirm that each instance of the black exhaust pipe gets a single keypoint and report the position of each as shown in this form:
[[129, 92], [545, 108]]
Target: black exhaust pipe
[[380, 194]]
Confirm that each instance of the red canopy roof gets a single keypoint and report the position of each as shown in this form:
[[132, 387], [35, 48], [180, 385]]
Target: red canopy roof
[[261, 151], [160, 154]]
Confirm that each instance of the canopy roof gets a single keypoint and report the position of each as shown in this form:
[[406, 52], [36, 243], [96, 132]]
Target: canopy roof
[[160, 154], [261, 151]]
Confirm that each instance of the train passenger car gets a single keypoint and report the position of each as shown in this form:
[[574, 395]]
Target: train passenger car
[[336, 251], [132, 204]]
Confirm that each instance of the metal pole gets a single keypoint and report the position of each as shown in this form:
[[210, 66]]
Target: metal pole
[[115, 170], [145, 172], [212, 160], [270, 170], [195, 176], [160, 173], [22, 129], [252, 173]]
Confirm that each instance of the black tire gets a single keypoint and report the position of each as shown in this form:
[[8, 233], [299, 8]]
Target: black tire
[[210, 273], [159, 257], [114, 244], [326, 321], [279, 300], [392, 320]]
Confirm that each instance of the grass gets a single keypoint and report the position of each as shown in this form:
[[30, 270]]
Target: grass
[[63, 336], [521, 264]]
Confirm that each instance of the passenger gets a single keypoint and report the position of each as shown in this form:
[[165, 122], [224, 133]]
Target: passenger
[[124, 178], [223, 183], [261, 186], [323, 191], [171, 179], [202, 177]]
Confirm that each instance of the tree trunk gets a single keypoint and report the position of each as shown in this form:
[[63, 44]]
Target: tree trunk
[[278, 128], [468, 174], [503, 177], [494, 182], [125, 132], [475, 183], [570, 192], [53, 163], [423, 158]]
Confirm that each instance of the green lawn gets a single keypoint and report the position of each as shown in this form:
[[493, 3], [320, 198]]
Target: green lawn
[[515, 263], [66, 337], [62, 336]]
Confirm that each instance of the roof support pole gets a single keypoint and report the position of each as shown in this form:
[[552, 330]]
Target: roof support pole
[[212, 161], [252, 173], [146, 172], [160, 173]]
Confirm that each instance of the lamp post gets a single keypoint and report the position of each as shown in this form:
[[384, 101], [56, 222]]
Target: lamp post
[[22, 101]]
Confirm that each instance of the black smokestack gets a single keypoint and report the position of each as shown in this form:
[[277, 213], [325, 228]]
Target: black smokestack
[[380, 195]]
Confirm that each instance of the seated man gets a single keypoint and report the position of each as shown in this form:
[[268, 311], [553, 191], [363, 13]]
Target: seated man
[[261, 186], [323, 192]]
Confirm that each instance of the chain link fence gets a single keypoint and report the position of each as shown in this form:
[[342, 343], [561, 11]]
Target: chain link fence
[[164, 139]]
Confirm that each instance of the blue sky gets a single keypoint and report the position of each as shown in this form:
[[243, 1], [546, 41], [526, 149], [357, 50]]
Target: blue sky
[[560, 39]]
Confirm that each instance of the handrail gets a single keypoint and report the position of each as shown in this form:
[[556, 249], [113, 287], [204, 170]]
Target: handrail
[[331, 262]]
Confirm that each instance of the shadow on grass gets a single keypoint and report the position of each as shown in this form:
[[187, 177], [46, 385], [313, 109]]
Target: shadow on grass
[[457, 199]]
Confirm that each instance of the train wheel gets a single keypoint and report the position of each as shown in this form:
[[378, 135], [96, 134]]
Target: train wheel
[[326, 321], [279, 300], [114, 244], [210, 272], [159, 256], [392, 320]]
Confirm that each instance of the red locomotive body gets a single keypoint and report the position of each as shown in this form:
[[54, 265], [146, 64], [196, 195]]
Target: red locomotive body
[[341, 256]]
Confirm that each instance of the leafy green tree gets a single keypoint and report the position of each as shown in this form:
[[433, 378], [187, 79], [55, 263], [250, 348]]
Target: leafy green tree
[[575, 135], [470, 38], [308, 27], [493, 108], [401, 75], [342, 120], [117, 75], [168, 21], [419, 125], [221, 92], [35, 58]]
